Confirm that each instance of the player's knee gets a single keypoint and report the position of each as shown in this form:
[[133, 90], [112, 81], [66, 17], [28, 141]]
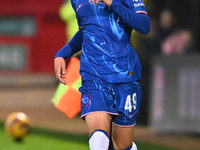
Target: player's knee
[[99, 140]]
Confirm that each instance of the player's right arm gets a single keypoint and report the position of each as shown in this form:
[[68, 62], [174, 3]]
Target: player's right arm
[[68, 50]]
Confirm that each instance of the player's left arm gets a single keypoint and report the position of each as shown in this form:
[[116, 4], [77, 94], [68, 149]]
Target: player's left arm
[[132, 12]]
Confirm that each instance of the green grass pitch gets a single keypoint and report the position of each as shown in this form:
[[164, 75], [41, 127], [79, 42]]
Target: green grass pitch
[[40, 139]]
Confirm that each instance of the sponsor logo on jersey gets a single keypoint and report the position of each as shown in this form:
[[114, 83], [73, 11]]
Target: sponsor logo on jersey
[[137, 0], [86, 100], [131, 115], [138, 3]]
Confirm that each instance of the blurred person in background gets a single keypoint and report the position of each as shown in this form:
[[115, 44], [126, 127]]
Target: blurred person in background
[[173, 39], [68, 15], [110, 68], [167, 24], [179, 42], [161, 29]]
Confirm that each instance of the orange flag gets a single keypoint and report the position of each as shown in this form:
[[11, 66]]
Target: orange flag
[[67, 97]]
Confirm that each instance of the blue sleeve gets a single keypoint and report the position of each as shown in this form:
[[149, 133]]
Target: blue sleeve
[[74, 46], [133, 13]]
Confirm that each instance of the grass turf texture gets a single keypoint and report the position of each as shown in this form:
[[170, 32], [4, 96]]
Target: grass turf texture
[[40, 139]]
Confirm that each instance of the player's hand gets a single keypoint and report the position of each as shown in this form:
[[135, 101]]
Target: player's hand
[[60, 69], [107, 2]]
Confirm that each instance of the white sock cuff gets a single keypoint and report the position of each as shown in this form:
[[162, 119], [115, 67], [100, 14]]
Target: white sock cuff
[[99, 140], [134, 147], [99, 130]]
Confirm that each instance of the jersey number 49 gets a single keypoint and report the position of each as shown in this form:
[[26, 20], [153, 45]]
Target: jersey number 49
[[131, 105]]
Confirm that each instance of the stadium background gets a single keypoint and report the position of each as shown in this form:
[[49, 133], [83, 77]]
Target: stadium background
[[32, 31]]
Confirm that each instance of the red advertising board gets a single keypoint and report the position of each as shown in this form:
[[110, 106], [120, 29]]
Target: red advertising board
[[31, 31]]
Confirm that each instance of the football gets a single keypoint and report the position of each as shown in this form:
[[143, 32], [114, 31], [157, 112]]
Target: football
[[18, 125]]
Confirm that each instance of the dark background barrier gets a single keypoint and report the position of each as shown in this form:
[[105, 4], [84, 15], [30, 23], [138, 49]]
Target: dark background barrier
[[175, 88]]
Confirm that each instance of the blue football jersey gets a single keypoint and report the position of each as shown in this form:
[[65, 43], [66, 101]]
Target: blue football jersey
[[104, 37], [106, 50]]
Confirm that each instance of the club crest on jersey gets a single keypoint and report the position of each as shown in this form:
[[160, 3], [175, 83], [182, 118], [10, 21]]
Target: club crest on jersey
[[86, 100]]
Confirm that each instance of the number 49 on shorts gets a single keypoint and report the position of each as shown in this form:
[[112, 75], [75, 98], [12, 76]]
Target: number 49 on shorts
[[129, 105]]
